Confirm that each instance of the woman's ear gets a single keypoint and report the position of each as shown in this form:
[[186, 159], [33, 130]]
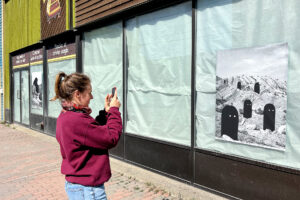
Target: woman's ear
[[76, 94]]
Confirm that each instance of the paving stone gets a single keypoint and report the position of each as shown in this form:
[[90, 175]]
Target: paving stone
[[30, 169]]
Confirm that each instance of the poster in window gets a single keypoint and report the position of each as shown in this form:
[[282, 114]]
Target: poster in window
[[251, 99], [37, 91]]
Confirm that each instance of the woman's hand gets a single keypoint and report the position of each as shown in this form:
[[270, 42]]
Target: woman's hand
[[107, 102], [115, 101]]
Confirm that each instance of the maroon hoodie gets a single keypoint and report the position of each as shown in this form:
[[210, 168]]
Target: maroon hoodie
[[84, 146]]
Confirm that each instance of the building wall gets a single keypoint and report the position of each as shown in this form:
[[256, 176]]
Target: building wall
[[21, 29], [152, 54], [88, 11]]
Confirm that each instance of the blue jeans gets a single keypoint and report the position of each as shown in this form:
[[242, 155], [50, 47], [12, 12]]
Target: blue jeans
[[81, 192]]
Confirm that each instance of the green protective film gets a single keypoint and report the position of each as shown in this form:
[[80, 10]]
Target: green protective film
[[159, 74], [102, 62]]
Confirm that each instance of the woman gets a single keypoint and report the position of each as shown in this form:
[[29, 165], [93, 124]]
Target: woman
[[84, 143]]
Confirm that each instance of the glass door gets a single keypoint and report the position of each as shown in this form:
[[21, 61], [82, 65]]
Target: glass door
[[21, 97], [17, 97], [25, 97]]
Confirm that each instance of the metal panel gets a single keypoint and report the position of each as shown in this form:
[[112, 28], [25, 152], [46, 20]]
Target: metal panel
[[8, 116], [244, 180], [45, 85], [119, 149], [51, 126], [78, 43], [37, 122], [163, 157]]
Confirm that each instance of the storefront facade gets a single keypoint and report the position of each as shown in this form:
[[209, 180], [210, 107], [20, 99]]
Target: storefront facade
[[209, 89]]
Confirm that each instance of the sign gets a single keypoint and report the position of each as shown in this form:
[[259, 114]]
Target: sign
[[61, 52], [21, 60], [36, 57], [53, 17]]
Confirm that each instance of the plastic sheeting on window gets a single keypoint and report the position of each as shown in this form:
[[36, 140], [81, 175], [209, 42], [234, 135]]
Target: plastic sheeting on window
[[67, 66], [159, 71], [102, 61], [37, 98], [228, 24]]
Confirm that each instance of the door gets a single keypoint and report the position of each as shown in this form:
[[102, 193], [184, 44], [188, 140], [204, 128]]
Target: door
[[25, 97], [17, 97], [21, 97]]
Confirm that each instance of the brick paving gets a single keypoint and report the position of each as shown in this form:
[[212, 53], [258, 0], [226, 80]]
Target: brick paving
[[30, 169]]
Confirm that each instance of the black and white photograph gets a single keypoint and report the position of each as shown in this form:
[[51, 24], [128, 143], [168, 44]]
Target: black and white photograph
[[36, 89], [251, 98]]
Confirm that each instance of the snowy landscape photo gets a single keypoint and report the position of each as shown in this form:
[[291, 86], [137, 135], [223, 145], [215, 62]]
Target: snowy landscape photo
[[251, 99]]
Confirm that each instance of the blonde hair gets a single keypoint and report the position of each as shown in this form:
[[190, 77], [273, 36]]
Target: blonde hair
[[66, 85]]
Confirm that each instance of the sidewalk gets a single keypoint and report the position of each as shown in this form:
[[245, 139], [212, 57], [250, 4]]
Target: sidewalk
[[30, 169]]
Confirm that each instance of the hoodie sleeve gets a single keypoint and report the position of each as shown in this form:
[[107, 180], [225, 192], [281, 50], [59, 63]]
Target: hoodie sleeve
[[107, 136]]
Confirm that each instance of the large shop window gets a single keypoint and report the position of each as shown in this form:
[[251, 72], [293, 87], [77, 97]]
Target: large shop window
[[37, 86], [247, 81], [60, 59], [102, 61], [159, 71]]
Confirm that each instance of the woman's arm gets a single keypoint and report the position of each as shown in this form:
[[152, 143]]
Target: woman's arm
[[107, 136]]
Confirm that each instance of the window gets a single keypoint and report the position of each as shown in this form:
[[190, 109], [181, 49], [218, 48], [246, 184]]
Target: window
[[159, 71], [227, 26], [102, 61]]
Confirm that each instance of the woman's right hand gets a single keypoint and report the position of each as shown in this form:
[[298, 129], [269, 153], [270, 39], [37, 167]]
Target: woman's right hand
[[115, 101]]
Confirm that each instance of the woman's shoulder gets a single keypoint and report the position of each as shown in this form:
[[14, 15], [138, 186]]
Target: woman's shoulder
[[74, 116]]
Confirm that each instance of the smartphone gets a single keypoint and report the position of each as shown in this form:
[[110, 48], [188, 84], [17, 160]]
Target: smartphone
[[113, 91]]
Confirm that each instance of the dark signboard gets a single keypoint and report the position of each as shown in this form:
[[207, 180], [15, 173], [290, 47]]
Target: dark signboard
[[36, 56], [61, 50], [53, 17], [21, 60]]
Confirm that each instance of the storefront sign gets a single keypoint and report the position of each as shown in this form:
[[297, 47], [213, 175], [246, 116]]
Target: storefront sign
[[53, 17], [36, 57], [21, 60], [61, 52]]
